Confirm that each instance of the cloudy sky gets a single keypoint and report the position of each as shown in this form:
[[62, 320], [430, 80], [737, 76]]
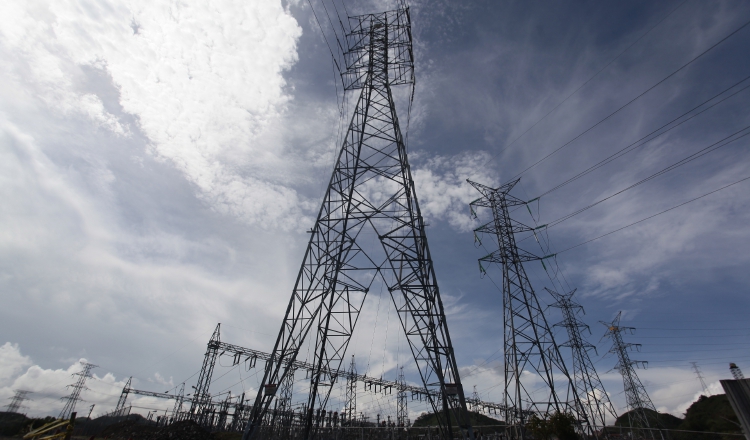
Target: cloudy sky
[[161, 162]]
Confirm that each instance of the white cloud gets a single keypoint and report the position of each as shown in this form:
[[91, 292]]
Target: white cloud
[[204, 81], [443, 191]]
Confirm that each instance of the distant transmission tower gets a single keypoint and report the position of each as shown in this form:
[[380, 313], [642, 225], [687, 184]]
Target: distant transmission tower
[[120, 408], [402, 412], [201, 402], [536, 378], [736, 372], [75, 394], [636, 396], [179, 399], [369, 229], [16, 402], [697, 370], [590, 389], [350, 406]]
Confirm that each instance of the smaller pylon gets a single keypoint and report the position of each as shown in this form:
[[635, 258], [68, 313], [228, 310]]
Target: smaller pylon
[[402, 413], [697, 370], [636, 397], [200, 407], [123, 398], [736, 372], [75, 394], [350, 406], [16, 402], [177, 410]]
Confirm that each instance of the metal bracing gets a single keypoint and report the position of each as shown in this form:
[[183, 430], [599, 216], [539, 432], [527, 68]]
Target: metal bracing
[[369, 229], [201, 400], [75, 394], [637, 399], [536, 379], [699, 374], [594, 398], [16, 402], [123, 397]]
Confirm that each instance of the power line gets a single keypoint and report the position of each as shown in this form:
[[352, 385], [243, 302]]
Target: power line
[[649, 137], [655, 215], [590, 79], [630, 102], [713, 147]]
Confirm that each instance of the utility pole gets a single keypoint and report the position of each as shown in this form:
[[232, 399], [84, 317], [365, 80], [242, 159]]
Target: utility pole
[[201, 402], [120, 408], [369, 230], [636, 397], [536, 380], [698, 373], [75, 394], [589, 387], [16, 402]]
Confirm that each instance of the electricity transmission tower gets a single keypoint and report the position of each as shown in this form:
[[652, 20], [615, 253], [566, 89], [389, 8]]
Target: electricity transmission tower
[[350, 406], [201, 404], [402, 412], [369, 230], [590, 390], [16, 401], [75, 394], [736, 372], [120, 408], [536, 379], [698, 373], [636, 397]]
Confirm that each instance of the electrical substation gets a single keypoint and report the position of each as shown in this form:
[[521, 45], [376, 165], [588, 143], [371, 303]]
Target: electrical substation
[[369, 243]]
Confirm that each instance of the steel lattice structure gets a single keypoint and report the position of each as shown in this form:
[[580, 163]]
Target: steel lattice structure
[[16, 402], [75, 394], [120, 408], [636, 397], [698, 373], [528, 343], [201, 397], [402, 411], [350, 406], [369, 228], [589, 387]]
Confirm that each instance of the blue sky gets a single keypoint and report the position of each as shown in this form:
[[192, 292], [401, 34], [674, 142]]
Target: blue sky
[[161, 163]]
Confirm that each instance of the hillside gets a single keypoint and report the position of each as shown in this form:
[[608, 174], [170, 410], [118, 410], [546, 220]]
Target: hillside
[[477, 419], [664, 420], [710, 414]]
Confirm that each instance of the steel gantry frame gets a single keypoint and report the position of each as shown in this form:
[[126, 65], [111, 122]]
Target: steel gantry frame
[[532, 357], [590, 389], [637, 399], [371, 194]]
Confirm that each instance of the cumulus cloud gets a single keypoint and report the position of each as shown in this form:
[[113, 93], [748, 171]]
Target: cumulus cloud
[[203, 80], [443, 191]]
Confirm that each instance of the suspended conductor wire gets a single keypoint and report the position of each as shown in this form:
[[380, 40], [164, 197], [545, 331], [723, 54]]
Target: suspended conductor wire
[[648, 138], [324, 37], [606, 118], [698, 154], [590, 79], [341, 48], [655, 215]]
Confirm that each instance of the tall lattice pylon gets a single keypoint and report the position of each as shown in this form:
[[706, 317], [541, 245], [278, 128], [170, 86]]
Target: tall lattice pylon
[[16, 402], [590, 389], [350, 405], [201, 403], [369, 230], [402, 410], [699, 374], [637, 399], [178, 401], [536, 379], [120, 408], [75, 394]]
